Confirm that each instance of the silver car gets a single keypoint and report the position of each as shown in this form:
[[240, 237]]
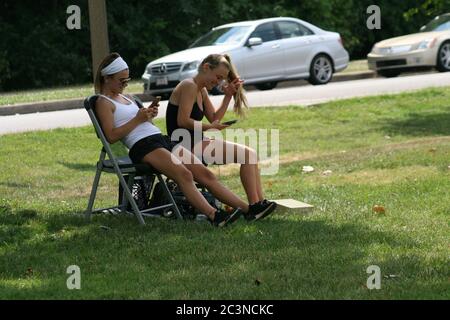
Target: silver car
[[426, 49], [265, 52]]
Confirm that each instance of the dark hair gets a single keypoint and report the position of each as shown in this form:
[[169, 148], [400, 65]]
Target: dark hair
[[214, 60], [99, 79]]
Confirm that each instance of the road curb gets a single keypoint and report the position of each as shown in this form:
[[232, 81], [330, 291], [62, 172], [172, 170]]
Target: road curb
[[78, 103]]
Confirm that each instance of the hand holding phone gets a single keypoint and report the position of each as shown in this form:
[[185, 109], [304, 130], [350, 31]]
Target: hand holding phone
[[153, 108], [155, 102], [229, 123]]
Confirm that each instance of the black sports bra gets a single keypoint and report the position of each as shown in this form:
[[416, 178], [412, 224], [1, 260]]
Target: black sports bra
[[172, 123]]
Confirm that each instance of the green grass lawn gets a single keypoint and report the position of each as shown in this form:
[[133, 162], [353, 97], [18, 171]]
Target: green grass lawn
[[392, 151], [357, 66], [62, 93]]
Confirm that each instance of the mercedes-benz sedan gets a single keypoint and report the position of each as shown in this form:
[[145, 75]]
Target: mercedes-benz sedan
[[265, 52]]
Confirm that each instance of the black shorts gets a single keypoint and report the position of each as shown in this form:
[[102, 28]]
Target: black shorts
[[148, 144]]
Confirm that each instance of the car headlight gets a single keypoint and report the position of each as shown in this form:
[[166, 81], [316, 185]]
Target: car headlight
[[427, 43], [375, 49], [191, 66]]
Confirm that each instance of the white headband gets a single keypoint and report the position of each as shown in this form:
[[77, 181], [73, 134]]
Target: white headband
[[116, 66]]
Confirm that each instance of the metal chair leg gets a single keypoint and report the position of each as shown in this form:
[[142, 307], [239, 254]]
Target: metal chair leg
[[93, 194]]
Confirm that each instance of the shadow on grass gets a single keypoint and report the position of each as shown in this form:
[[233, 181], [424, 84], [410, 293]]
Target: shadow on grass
[[15, 185], [13, 229], [7, 217], [420, 124], [169, 259], [79, 166]]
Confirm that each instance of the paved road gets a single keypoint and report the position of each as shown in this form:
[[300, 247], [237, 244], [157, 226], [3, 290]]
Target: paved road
[[304, 95]]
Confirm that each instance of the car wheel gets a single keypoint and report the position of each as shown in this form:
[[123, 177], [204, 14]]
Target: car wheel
[[266, 85], [443, 61], [321, 70], [388, 73]]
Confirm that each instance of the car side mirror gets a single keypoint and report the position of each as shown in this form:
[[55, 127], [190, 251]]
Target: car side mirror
[[254, 42]]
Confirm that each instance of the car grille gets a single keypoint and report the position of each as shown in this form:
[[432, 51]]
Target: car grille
[[165, 68], [391, 63]]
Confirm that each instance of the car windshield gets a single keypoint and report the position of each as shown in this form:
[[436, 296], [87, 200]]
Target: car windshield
[[441, 23], [221, 36]]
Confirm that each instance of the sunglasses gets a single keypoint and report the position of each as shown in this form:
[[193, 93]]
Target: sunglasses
[[124, 81]]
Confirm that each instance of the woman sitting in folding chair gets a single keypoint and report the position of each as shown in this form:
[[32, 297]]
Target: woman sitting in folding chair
[[121, 119]]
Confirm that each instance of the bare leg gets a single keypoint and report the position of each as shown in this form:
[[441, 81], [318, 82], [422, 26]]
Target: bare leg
[[248, 179], [249, 172], [163, 161], [258, 184], [205, 177]]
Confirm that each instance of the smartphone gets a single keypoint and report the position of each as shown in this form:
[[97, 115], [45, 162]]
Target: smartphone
[[155, 102], [229, 123]]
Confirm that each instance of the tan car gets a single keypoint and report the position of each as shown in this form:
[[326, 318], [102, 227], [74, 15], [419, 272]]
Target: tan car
[[430, 48]]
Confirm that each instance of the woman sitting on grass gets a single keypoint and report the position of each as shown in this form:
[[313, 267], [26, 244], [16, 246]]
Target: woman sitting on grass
[[189, 104], [121, 119]]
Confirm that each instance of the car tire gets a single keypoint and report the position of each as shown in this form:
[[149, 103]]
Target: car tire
[[266, 85], [443, 58], [388, 73], [321, 70]]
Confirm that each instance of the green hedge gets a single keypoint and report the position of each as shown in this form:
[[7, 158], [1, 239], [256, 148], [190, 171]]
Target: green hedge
[[37, 50]]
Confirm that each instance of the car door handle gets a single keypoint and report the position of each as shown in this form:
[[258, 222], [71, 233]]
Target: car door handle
[[275, 46]]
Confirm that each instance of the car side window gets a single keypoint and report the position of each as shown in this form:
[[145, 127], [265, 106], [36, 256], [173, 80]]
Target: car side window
[[265, 31], [291, 29]]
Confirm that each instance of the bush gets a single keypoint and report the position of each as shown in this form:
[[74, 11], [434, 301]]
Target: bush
[[37, 50]]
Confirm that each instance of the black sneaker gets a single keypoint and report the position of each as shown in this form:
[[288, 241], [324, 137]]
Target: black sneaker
[[223, 218], [260, 210]]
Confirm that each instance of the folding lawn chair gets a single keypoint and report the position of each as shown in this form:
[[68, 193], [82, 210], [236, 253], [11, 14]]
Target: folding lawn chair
[[126, 171]]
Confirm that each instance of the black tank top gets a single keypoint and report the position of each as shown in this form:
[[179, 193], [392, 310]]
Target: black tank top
[[172, 123]]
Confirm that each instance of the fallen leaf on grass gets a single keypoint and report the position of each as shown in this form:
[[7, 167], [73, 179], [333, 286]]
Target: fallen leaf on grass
[[378, 209]]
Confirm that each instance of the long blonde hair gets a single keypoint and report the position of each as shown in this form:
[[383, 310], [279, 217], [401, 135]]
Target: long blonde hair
[[240, 100], [99, 79]]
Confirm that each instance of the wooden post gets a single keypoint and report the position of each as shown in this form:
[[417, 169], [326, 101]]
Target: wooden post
[[99, 32]]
